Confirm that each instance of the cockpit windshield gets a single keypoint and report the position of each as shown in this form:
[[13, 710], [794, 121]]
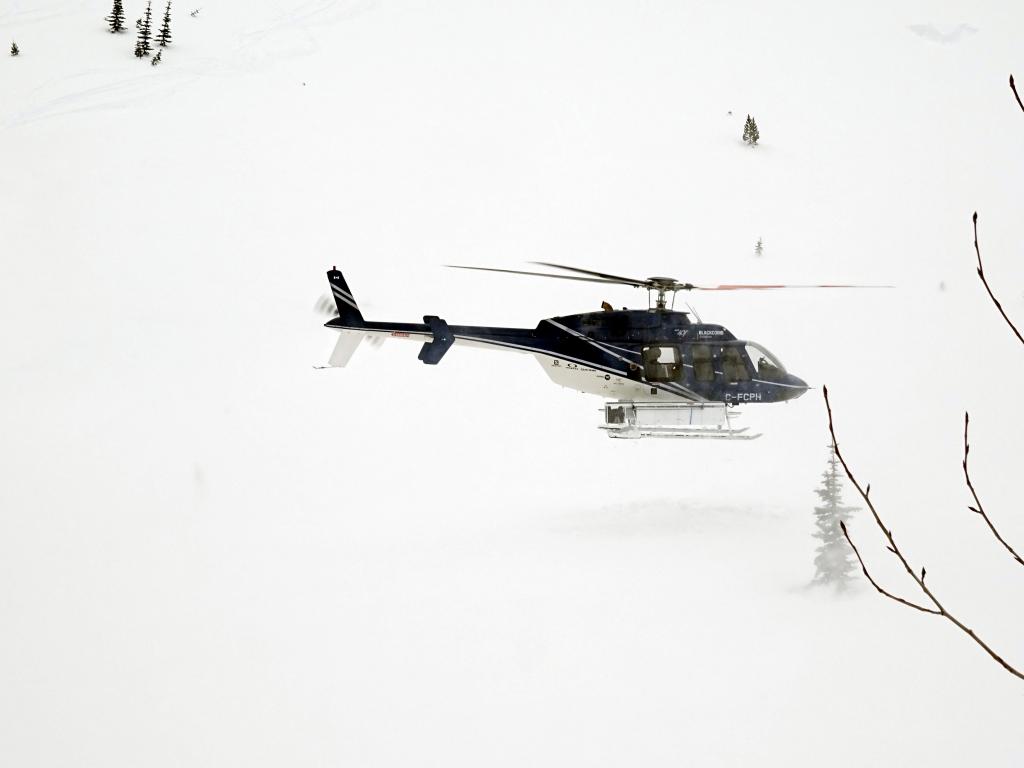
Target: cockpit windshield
[[765, 363]]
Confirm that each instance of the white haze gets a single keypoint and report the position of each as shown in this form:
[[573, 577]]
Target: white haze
[[213, 555]]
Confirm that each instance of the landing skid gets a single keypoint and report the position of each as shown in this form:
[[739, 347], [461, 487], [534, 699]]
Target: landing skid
[[625, 419]]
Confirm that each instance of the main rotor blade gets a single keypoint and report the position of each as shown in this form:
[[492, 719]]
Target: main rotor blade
[[546, 274], [771, 287], [617, 278]]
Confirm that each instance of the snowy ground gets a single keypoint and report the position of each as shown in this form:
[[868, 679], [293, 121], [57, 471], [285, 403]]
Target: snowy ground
[[211, 554]]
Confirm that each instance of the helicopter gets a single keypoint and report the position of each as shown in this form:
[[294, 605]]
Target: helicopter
[[663, 374]]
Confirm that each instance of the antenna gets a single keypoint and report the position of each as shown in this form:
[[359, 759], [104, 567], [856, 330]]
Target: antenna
[[694, 311]]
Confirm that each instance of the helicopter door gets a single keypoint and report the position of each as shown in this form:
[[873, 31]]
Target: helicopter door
[[734, 365], [662, 363], [701, 364]]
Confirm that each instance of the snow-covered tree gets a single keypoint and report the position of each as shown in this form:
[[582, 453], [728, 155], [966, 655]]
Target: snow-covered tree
[[116, 17], [759, 248], [164, 35], [14, 49], [156, 59], [145, 30], [834, 564], [750, 132], [139, 52]]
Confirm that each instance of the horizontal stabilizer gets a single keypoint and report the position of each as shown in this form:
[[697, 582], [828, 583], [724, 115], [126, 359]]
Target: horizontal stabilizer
[[432, 352], [348, 341]]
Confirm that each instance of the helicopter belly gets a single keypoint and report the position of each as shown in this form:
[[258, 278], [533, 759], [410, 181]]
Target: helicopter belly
[[574, 375], [593, 381], [571, 373]]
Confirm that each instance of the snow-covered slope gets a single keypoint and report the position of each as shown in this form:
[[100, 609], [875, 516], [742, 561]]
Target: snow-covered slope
[[213, 555]]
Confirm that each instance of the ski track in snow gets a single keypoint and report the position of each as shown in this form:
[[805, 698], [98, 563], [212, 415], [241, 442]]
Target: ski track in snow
[[101, 95], [19, 12], [287, 36]]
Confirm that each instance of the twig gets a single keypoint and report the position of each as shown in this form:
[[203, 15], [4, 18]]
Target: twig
[[878, 520], [1016, 95], [919, 580], [978, 508], [981, 274], [874, 583]]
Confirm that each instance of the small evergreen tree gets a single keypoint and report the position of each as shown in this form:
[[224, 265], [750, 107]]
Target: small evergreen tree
[[750, 132], [145, 29], [116, 17], [759, 248], [164, 35], [138, 49], [15, 50], [834, 564], [156, 59]]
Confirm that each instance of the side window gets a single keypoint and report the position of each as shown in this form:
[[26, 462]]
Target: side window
[[703, 367], [662, 363], [734, 367]]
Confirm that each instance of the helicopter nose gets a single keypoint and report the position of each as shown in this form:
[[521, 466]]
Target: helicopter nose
[[796, 386]]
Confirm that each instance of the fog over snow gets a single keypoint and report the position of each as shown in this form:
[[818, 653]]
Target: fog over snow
[[212, 554]]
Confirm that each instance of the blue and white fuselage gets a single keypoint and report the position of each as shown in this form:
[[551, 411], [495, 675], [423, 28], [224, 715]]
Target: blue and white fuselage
[[656, 355]]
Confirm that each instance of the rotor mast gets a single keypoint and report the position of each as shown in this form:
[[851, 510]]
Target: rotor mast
[[660, 302], [664, 286]]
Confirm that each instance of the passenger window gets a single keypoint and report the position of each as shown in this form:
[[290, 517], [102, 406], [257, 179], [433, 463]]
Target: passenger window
[[734, 367], [661, 363], [703, 367]]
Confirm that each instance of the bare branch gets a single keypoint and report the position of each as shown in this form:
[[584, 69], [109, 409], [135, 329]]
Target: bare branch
[[919, 580], [874, 583], [981, 274], [878, 520], [978, 508], [1016, 95]]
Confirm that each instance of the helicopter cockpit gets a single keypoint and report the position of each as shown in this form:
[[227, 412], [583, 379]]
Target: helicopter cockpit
[[766, 365]]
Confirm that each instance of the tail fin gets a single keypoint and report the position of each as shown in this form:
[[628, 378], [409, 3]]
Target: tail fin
[[348, 310]]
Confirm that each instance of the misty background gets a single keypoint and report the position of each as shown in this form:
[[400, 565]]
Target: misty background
[[213, 554]]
